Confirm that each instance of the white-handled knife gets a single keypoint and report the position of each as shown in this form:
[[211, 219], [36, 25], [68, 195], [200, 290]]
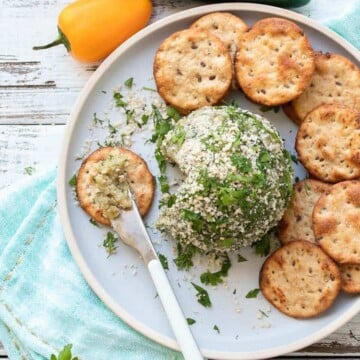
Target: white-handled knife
[[132, 231]]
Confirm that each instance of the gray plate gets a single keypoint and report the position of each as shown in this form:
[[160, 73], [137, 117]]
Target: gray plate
[[122, 281]]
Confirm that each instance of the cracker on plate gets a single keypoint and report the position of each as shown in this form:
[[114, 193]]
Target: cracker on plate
[[328, 143], [300, 280], [350, 278], [227, 27], [336, 222], [192, 69], [336, 80], [296, 224], [102, 177], [275, 62]]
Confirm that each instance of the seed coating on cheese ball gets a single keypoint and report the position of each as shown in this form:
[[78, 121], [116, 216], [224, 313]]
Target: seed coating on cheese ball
[[238, 178]]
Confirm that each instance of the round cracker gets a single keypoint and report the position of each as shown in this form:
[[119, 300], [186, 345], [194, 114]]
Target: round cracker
[[296, 223], [226, 26], [328, 141], [275, 62], [336, 79], [350, 275], [139, 177], [336, 222], [192, 69], [300, 280]]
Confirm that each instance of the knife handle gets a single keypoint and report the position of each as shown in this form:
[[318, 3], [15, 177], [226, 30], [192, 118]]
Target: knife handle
[[174, 313]]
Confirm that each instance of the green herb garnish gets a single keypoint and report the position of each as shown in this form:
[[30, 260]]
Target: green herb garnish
[[202, 296], [240, 258], [29, 170], [129, 82], [119, 102], [93, 222], [73, 181], [109, 243], [164, 261], [173, 113], [64, 354], [252, 294], [190, 321], [183, 260], [265, 108], [112, 129], [215, 327], [146, 88], [195, 218], [215, 278], [96, 120], [263, 246]]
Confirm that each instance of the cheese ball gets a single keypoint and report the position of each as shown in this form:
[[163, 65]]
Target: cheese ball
[[238, 179]]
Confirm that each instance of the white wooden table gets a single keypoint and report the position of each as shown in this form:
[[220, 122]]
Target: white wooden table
[[38, 89]]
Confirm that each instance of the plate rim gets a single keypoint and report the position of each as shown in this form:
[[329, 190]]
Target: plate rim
[[62, 186]]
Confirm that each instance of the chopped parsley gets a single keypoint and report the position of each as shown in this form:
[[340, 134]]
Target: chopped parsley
[[168, 201], [64, 354], [215, 327], [241, 163], [96, 120], [240, 258], [263, 246], [29, 170], [144, 119], [190, 321], [173, 113], [263, 313], [93, 222], [215, 278], [162, 126], [195, 218], [73, 181], [109, 243], [164, 261], [146, 88], [119, 102], [202, 296], [129, 82], [265, 108], [294, 159], [112, 129], [183, 261], [252, 294]]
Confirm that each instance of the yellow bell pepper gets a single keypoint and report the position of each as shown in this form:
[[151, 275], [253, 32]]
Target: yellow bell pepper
[[91, 29]]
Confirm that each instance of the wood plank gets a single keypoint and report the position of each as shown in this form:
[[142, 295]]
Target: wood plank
[[35, 147], [38, 87]]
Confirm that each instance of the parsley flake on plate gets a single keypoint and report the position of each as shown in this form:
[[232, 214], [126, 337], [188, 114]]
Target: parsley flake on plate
[[202, 296]]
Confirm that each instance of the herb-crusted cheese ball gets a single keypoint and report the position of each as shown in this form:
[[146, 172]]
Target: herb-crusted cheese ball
[[238, 178]]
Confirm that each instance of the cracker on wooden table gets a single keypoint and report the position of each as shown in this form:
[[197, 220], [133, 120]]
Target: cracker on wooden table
[[328, 143], [300, 280], [275, 62], [336, 80], [296, 224], [135, 169], [336, 222], [350, 275], [192, 69]]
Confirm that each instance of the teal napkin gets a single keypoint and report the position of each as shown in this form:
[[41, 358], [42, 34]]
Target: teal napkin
[[44, 301]]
